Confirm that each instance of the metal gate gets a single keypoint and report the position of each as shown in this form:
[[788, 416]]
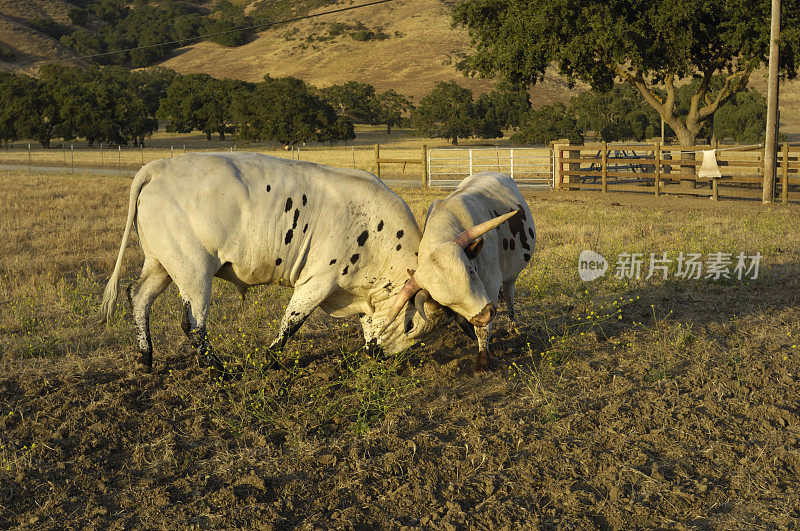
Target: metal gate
[[530, 167]]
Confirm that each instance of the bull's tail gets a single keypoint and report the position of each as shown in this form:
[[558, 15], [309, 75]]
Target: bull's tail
[[112, 288]]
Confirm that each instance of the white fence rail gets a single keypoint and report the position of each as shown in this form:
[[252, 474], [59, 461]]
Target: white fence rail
[[530, 167]]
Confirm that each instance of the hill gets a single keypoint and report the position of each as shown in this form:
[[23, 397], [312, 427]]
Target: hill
[[421, 49], [28, 44]]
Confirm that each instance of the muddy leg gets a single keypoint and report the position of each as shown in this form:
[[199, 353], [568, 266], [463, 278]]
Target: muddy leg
[[483, 361], [193, 322], [305, 298], [508, 291], [152, 282]]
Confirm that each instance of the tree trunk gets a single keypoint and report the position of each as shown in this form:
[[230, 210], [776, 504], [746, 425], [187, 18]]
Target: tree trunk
[[222, 135], [388, 128], [454, 141], [687, 138], [208, 136]]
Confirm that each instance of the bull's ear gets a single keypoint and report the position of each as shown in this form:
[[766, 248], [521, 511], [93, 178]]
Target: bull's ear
[[474, 248]]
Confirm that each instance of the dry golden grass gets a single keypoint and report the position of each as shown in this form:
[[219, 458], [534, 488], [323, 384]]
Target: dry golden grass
[[61, 234]]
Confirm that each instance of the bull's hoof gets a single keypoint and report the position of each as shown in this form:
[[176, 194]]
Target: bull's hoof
[[482, 362]]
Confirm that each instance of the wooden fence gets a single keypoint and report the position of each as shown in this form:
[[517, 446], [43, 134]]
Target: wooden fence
[[657, 169]]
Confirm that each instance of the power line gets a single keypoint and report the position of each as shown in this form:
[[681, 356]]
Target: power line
[[208, 35]]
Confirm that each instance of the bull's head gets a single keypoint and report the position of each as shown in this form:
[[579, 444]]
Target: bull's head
[[446, 274], [415, 321]]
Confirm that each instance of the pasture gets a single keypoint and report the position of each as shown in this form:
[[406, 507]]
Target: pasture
[[623, 403]]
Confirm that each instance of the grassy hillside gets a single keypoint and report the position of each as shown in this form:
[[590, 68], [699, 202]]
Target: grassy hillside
[[29, 45], [421, 49]]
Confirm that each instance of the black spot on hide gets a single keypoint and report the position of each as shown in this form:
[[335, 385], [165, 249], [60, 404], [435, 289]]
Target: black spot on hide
[[333, 261], [362, 238], [531, 233], [296, 215], [269, 188], [400, 234], [505, 244], [288, 237], [526, 256], [354, 258], [517, 226], [380, 226], [344, 271], [398, 247], [288, 204], [512, 245], [305, 200], [278, 261], [305, 228]]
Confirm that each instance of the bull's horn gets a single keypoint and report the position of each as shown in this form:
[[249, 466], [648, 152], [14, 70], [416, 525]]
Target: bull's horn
[[409, 289], [470, 235], [419, 301]]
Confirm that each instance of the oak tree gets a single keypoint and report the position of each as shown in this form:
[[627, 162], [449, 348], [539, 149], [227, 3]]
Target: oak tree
[[649, 44]]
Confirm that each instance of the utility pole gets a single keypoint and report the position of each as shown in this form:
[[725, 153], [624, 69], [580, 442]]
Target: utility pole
[[770, 152]]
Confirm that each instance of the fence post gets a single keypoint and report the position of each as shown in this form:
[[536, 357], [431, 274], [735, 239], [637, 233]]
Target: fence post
[[470, 162], [72, 153], [119, 158], [141, 151], [657, 166], [557, 166], [29, 156], [785, 174], [574, 166], [424, 167], [604, 170], [354, 157], [171, 151], [378, 161], [511, 163]]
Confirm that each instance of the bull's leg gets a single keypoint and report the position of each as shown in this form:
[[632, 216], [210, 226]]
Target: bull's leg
[[152, 282], [508, 291], [483, 361], [192, 275], [196, 301], [305, 298]]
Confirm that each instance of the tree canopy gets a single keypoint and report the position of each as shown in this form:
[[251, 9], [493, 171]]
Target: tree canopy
[[647, 44], [288, 111], [449, 111]]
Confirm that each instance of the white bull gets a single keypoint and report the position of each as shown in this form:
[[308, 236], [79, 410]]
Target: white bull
[[341, 238], [465, 265]]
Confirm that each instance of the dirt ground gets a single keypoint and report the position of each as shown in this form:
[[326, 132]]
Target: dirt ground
[[653, 404]]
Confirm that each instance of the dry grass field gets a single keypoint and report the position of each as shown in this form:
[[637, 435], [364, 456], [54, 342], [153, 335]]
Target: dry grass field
[[624, 403]]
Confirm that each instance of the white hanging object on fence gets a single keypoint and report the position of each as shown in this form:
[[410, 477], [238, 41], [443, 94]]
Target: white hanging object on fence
[[709, 169]]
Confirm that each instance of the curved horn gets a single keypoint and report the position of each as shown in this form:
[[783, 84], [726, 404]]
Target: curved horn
[[469, 235], [419, 301], [409, 289]]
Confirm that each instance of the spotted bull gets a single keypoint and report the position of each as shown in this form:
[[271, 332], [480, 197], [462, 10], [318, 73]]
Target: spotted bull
[[464, 264], [340, 238]]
